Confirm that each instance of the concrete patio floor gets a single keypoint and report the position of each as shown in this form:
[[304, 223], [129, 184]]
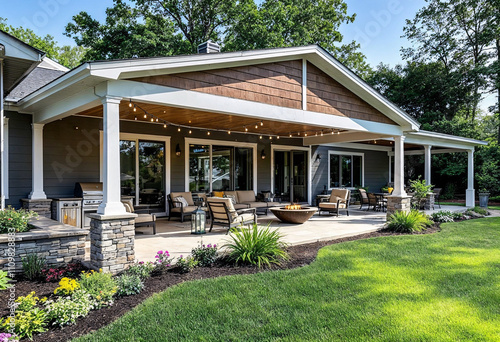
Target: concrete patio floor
[[176, 237]]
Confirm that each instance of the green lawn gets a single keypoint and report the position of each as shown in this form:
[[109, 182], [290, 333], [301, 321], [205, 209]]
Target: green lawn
[[453, 203], [437, 287], [494, 207]]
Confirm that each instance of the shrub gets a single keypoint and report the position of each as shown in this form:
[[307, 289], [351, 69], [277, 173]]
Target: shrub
[[141, 269], [407, 222], [33, 265], [66, 287], [17, 220], [71, 270], [66, 310], [442, 216], [256, 246], [163, 259], [421, 190], [129, 284], [100, 286], [205, 255], [26, 323], [4, 282], [185, 265], [480, 211]]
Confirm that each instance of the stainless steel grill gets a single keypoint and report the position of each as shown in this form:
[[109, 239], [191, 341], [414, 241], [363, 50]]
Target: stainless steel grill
[[92, 195]]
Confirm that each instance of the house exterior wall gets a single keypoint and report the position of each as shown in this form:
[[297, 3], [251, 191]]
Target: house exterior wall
[[19, 157], [376, 168]]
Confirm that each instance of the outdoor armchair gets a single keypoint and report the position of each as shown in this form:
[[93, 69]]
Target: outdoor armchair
[[180, 204], [339, 200], [222, 212], [144, 217]]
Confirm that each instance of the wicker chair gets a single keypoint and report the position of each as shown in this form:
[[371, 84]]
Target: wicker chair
[[437, 193], [222, 212], [178, 208], [363, 198]]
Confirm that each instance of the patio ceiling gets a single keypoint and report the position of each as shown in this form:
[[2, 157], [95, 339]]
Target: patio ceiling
[[197, 119]]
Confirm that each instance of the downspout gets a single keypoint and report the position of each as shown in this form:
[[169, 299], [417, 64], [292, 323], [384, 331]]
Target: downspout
[[2, 188]]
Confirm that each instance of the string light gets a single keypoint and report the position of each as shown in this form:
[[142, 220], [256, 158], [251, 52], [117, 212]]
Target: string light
[[178, 129], [208, 132], [321, 133], [135, 118], [270, 137], [135, 108], [130, 103], [246, 128], [260, 137], [290, 135], [228, 132], [145, 116], [262, 123], [305, 134], [256, 126], [189, 131], [164, 125]]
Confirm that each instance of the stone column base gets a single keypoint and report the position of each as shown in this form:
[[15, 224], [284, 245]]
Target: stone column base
[[40, 206], [112, 242], [397, 203], [470, 201], [429, 202]]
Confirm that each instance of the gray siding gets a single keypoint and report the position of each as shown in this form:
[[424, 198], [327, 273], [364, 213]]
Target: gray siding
[[376, 167], [19, 157]]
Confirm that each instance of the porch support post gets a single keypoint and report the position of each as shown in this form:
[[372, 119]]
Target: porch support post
[[37, 163], [427, 163], [111, 204], [399, 157], [3, 167], [469, 193], [390, 170]]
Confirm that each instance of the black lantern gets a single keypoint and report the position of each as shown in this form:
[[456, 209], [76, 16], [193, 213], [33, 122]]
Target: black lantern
[[198, 219]]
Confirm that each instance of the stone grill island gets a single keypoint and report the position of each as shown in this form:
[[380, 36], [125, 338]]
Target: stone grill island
[[294, 213]]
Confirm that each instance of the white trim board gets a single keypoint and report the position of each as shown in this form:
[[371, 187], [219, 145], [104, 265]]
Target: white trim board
[[210, 142], [136, 137], [309, 166]]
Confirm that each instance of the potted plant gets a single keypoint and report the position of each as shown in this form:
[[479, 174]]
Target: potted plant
[[421, 191]]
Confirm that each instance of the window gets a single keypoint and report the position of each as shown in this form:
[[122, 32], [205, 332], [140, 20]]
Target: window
[[345, 169], [220, 167]]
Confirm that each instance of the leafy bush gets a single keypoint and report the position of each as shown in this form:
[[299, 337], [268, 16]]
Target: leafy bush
[[129, 284], [66, 310], [421, 190], [163, 259], [100, 286], [17, 220], [480, 211], [29, 302], [442, 216], [407, 222], [71, 270], [66, 287], [185, 265], [33, 265], [26, 323], [141, 269], [205, 255], [256, 246], [4, 282]]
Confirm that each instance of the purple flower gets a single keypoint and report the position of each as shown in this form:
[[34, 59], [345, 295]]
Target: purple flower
[[204, 246], [160, 252], [209, 245], [180, 256], [215, 246], [141, 262], [157, 256]]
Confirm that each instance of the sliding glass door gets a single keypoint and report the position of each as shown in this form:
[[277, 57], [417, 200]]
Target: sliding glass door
[[290, 175], [219, 168], [142, 171]]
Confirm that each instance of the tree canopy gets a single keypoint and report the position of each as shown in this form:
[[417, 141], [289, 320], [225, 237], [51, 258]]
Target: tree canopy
[[171, 27]]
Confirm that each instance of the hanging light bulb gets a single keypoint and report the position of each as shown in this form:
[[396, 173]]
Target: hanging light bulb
[[316, 133], [270, 138], [156, 119], [229, 132], [290, 135], [246, 128], [135, 108], [135, 118], [145, 116], [262, 123], [130, 103], [256, 126], [260, 137], [178, 129], [333, 132], [305, 134], [278, 137], [321, 133], [208, 132], [189, 131], [164, 125]]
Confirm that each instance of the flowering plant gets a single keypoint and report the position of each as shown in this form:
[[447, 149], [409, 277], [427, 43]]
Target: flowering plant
[[11, 218], [66, 310], [71, 270], [163, 259], [5, 337], [205, 255], [27, 303], [67, 286], [101, 286]]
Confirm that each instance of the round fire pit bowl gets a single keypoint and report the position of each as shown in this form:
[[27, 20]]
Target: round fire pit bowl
[[294, 215]]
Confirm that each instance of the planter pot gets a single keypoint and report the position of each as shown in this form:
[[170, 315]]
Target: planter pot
[[483, 199]]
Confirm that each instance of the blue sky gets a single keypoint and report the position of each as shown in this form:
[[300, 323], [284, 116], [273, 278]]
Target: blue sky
[[378, 26]]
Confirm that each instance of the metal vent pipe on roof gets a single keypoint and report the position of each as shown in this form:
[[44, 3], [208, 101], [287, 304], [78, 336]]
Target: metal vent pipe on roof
[[208, 47]]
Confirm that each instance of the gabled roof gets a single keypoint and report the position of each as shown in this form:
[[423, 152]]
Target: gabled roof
[[19, 60], [137, 67]]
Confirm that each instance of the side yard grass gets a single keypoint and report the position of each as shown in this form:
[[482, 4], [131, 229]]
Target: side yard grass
[[436, 287]]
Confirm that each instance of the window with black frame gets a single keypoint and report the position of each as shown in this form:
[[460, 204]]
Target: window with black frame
[[345, 170]]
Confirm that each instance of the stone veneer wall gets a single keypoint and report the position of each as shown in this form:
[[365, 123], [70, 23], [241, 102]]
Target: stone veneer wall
[[397, 204], [41, 206], [112, 242], [58, 243]]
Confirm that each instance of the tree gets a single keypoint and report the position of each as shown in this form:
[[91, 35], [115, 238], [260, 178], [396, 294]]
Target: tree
[[172, 27], [462, 34], [65, 55]]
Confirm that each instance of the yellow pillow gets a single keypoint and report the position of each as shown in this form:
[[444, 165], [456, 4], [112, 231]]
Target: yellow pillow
[[218, 193]]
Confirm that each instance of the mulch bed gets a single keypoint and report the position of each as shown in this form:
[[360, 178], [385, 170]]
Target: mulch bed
[[300, 255]]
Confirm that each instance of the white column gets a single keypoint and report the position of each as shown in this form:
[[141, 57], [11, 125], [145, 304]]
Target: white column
[[399, 158], [111, 204], [469, 193], [390, 169], [3, 168], [37, 163], [427, 164]]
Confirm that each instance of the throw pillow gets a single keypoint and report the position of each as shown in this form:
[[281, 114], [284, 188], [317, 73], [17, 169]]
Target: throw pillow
[[182, 200], [218, 194], [232, 197]]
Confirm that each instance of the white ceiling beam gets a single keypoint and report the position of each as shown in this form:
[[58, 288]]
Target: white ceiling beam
[[342, 138]]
